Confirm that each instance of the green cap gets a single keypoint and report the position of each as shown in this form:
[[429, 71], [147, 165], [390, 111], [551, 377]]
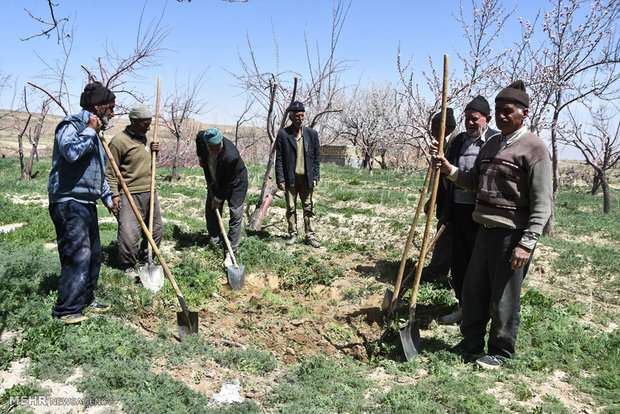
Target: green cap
[[140, 111], [212, 136]]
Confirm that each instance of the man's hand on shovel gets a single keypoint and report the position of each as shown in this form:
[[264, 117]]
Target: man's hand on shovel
[[439, 162]]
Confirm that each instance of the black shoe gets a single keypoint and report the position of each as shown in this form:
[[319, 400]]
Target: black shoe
[[213, 240], [460, 349], [313, 242], [97, 306], [72, 318], [291, 240], [490, 361]]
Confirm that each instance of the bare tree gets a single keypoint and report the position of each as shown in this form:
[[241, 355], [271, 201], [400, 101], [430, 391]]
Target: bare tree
[[33, 137], [273, 91], [178, 110], [598, 142], [49, 26]]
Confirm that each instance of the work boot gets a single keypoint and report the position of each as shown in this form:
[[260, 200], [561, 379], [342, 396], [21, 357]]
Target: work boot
[[451, 318], [72, 318], [313, 242], [291, 240], [97, 306]]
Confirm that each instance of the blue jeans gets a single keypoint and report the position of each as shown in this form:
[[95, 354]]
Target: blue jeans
[[77, 234]]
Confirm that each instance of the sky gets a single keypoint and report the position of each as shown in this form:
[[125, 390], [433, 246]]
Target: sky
[[211, 35]]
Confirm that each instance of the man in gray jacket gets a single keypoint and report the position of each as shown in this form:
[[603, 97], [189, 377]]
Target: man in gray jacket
[[512, 177]]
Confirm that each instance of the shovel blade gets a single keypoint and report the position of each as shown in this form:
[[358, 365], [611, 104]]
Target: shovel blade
[[152, 277], [410, 339], [185, 327], [236, 277]]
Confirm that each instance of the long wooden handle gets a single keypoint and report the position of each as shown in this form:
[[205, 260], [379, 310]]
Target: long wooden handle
[[430, 247], [414, 224], [429, 218], [153, 162], [223, 230], [144, 228]]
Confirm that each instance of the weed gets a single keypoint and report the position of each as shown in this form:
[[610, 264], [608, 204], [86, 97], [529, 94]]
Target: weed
[[251, 360]]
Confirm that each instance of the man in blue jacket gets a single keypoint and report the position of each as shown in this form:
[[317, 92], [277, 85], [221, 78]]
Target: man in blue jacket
[[297, 171], [76, 181]]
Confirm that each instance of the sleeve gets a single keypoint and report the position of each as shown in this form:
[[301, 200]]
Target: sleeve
[[466, 179], [541, 201], [279, 167], [317, 157], [73, 146], [106, 194]]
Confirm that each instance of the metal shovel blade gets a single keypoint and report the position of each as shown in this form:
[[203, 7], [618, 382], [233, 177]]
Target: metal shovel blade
[[236, 277], [410, 338], [151, 276], [185, 327]]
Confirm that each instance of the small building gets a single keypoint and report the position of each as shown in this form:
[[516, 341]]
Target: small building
[[343, 155]]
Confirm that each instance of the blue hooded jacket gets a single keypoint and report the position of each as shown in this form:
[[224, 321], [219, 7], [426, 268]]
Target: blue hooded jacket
[[78, 163]]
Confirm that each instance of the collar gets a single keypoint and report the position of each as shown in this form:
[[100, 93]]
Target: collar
[[133, 135], [513, 137]]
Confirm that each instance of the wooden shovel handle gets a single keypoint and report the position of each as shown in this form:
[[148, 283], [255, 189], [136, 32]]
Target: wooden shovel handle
[[429, 217], [414, 224], [154, 161], [144, 228], [223, 231]]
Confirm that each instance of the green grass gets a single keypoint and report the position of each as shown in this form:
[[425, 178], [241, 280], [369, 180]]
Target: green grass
[[119, 362]]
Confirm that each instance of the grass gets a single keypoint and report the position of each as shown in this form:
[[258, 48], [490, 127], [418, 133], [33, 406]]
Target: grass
[[558, 333]]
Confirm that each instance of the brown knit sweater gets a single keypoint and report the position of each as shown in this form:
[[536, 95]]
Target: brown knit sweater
[[513, 184]]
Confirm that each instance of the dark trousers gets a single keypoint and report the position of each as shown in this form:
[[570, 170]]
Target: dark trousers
[[464, 230], [492, 290], [439, 267], [129, 229], [234, 223], [77, 234]]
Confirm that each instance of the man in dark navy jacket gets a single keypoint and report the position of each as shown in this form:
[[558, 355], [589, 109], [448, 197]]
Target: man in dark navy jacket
[[227, 180], [297, 171]]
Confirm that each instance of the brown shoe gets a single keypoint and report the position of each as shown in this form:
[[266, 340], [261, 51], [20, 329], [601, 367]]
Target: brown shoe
[[73, 318]]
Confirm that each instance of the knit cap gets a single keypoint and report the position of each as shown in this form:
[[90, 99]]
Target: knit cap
[[479, 104], [515, 92], [96, 94], [211, 136], [140, 111]]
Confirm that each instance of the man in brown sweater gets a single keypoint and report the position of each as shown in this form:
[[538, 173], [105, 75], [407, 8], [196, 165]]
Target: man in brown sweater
[[512, 177], [131, 152]]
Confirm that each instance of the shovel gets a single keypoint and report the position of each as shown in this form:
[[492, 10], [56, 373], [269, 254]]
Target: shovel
[[187, 322], [151, 275], [235, 272], [389, 295], [403, 261], [410, 332]]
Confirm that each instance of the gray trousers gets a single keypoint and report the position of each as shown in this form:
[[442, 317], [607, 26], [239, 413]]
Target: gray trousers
[[492, 290], [302, 189], [129, 229], [234, 223]]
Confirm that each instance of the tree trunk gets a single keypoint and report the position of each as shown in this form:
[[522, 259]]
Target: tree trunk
[[267, 192], [37, 136], [596, 184], [550, 226], [606, 194], [175, 161]]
